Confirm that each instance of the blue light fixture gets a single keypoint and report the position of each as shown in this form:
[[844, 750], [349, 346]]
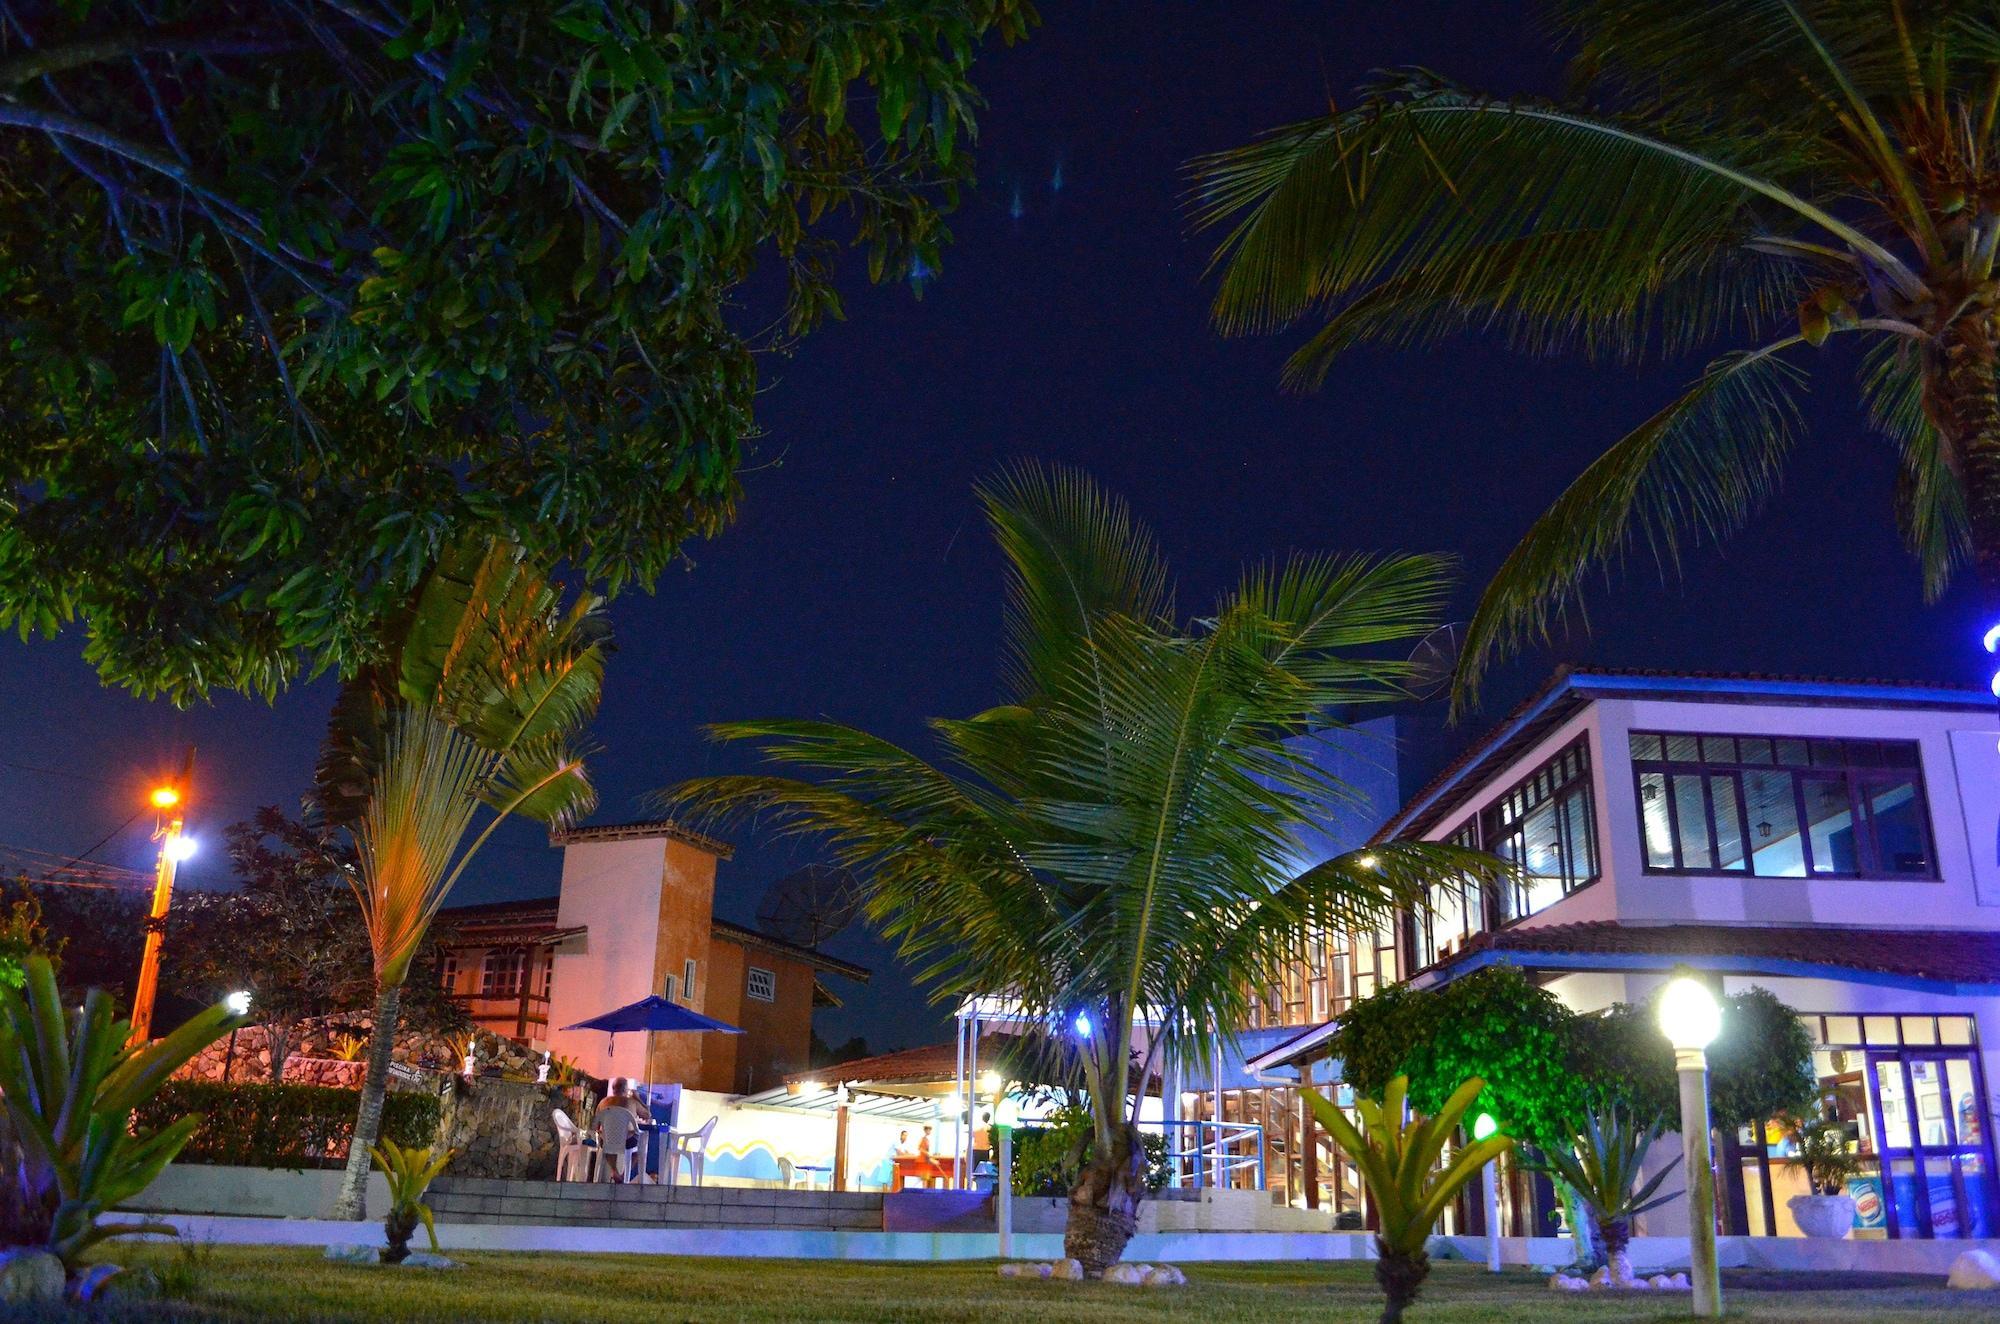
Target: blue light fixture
[[1083, 1025], [1993, 646]]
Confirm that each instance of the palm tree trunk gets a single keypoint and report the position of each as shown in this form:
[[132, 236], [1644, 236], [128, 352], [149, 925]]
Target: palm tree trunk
[[1104, 1205], [1399, 1275], [1966, 407], [353, 1201]]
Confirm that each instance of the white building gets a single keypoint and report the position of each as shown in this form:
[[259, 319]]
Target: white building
[[1835, 843]]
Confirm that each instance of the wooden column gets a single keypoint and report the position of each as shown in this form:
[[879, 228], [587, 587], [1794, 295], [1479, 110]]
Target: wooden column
[[839, 1182], [1309, 1128]]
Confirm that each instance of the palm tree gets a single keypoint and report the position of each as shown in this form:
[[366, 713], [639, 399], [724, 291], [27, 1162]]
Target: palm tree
[[1108, 846], [1758, 177], [477, 713]]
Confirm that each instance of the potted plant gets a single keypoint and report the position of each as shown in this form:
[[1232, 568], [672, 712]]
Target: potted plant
[[1826, 1210]]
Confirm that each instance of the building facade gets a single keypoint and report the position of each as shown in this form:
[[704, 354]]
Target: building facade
[[634, 916], [1837, 844]]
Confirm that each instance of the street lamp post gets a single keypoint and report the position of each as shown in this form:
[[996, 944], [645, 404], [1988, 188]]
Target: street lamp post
[[1690, 1018], [1006, 1116], [174, 847], [1489, 1182]]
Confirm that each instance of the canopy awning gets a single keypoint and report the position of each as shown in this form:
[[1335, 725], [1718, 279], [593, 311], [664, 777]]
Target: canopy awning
[[860, 1103]]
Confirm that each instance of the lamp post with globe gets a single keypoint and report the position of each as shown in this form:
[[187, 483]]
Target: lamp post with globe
[[1690, 1017]]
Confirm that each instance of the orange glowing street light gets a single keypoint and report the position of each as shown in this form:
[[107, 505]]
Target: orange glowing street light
[[174, 847]]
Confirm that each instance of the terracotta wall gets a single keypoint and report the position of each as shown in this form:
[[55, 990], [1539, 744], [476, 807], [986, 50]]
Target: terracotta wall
[[687, 901], [778, 1035]]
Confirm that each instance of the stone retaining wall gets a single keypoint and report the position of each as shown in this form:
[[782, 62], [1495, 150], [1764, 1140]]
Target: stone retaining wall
[[478, 1201]]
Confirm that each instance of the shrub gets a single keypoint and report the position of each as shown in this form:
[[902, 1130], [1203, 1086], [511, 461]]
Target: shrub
[[1049, 1159], [283, 1126]]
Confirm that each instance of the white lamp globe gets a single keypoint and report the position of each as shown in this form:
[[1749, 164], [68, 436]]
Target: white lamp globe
[[1690, 1017], [238, 1002]]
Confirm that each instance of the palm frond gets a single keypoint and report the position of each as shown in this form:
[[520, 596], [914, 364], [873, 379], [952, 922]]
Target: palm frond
[[1930, 505], [1116, 838], [1696, 468], [1428, 208]]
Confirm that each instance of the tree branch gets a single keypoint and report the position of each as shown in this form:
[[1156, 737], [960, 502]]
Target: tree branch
[[44, 61]]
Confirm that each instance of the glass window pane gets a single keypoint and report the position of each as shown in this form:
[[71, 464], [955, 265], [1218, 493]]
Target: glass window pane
[[1843, 1029], [1927, 1083], [1692, 823], [1962, 1103], [1773, 817], [1830, 825], [1754, 750], [1656, 826], [1582, 858], [1828, 754], [1645, 747], [1899, 754], [1902, 838], [1895, 1112], [1728, 824], [1881, 1030], [1718, 749], [1684, 749], [1792, 753], [1955, 1029], [1864, 753], [1919, 1030]]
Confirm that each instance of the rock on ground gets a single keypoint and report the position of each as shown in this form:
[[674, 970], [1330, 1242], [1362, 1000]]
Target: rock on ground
[[1975, 1270], [1166, 1275], [31, 1277], [1067, 1270], [424, 1259], [351, 1254]]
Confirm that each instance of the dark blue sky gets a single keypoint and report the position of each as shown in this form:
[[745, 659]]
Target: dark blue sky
[[858, 583]]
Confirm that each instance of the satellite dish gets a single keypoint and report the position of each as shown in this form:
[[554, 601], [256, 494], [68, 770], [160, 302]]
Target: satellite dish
[[809, 906], [1434, 659]]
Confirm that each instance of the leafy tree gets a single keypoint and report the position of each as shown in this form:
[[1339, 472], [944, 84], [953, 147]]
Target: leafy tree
[[294, 292], [293, 936], [1760, 1067], [1494, 1025], [1548, 1069], [92, 934], [1760, 178], [22, 934], [1106, 845], [479, 710]]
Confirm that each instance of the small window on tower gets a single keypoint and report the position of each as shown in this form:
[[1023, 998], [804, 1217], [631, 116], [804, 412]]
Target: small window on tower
[[688, 981], [762, 986]]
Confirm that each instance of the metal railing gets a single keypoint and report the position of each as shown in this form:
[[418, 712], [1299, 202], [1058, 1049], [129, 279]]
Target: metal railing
[[1209, 1153]]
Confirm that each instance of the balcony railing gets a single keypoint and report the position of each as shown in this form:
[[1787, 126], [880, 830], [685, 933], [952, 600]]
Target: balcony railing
[[516, 1015]]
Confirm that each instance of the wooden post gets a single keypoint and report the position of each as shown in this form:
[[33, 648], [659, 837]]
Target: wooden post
[[839, 1182], [1310, 1127]]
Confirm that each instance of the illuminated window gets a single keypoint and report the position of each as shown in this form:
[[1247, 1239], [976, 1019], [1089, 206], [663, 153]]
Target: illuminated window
[[1546, 825], [1782, 807], [504, 972], [761, 985]]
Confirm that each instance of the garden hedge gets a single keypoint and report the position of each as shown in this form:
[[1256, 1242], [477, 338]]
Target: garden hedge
[[281, 1126]]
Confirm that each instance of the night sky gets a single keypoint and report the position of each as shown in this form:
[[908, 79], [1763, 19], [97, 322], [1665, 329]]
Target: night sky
[[1069, 324]]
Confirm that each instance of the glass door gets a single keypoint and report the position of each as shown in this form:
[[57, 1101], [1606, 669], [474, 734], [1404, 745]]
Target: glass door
[[1937, 1181]]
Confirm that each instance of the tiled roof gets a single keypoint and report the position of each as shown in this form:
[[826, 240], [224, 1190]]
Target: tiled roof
[[1952, 956], [1569, 688], [931, 1064], [659, 827], [818, 960]]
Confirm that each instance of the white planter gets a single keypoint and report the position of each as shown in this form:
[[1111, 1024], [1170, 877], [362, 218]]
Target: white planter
[[1829, 1216]]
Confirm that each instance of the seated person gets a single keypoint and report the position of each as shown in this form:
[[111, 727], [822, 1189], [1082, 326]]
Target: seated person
[[617, 1137]]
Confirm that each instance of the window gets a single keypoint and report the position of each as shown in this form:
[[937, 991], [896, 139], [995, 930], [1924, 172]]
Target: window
[[671, 989], [1452, 911], [687, 981], [448, 972], [504, 972], [1782, 807], [761, 985], [1546, 825]]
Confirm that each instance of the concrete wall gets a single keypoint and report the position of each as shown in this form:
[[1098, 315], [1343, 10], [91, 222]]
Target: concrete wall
[[613, 889], [200, 1188], [777, 1038]]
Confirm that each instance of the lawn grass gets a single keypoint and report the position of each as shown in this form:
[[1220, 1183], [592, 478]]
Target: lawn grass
[[244, 1283]]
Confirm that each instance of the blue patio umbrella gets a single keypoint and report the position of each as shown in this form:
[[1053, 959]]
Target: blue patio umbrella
[[654, 1014]]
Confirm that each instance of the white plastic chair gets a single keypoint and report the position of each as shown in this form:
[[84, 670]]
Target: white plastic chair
[[616, 1127], [576, 1156], [692, 1146]]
